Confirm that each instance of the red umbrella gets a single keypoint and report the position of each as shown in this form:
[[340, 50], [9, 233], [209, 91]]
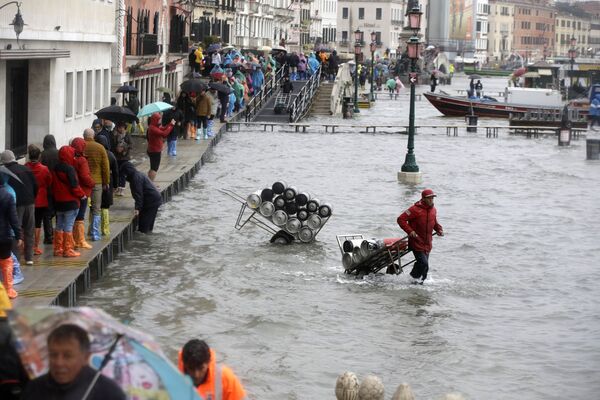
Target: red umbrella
[[519, 72]]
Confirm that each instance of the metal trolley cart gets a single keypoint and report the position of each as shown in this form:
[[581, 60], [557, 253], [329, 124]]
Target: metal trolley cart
[[304, 232], [367, 260]]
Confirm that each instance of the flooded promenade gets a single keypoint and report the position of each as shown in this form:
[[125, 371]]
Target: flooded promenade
[[509, 310]]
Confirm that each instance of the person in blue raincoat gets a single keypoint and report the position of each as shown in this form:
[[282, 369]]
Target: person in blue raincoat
[[258, 79], [313, 64]]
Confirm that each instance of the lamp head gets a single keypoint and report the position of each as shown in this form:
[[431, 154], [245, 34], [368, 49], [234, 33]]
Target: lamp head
[[18, 22], [413, 46], [414, 17], [373, 36]]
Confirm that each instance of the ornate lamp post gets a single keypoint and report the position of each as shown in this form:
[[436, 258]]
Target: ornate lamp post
[[572, 55], [358, 35], [410, 170], [373, 47], [17, 22]]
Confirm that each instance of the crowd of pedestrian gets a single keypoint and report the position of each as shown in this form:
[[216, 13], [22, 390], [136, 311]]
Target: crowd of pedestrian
[[57, 187]]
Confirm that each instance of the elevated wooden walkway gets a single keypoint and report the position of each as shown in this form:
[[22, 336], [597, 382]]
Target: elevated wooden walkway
[[59, 280]]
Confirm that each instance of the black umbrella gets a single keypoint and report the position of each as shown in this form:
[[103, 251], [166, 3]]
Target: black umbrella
[[127, 89], [193, 85], [220, 87], [475, 76], [116, 114]]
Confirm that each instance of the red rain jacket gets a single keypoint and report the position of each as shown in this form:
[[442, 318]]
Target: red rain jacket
[[422, 219], [43, 178], [157, 134], [65, 187], [84, 176]]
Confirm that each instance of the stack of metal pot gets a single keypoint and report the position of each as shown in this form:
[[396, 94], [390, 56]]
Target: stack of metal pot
[[298, 213], [356, 251]]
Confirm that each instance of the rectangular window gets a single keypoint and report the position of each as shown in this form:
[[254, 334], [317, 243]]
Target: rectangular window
[[345, 13], [361, 13], [105, 87], [69, 95], [378, 38], [89, 92], [378, 13], [79, 95], [344, 36], [98, 90], [478, 27]]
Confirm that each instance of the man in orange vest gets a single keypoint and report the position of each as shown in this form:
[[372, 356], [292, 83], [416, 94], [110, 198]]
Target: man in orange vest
[[213, 381]]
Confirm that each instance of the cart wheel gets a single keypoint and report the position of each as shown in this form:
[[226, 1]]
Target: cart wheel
[[282, 237]]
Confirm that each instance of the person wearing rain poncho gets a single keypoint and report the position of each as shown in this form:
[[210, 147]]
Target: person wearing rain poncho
[[391, 86], [258, 79], [10, 230], [595, 112], [313, 64]]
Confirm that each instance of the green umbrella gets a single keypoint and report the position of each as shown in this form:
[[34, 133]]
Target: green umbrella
[[151, 108]]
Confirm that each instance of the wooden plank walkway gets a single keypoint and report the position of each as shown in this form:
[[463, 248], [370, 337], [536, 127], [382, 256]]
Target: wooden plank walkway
[[59, 280], [451, 130]]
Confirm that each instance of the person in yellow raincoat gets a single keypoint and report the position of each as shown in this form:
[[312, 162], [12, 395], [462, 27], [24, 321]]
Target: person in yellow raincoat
[[199, 59]]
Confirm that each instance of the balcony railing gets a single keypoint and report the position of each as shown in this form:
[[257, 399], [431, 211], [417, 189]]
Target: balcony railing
[[284, 13], [142, 44]]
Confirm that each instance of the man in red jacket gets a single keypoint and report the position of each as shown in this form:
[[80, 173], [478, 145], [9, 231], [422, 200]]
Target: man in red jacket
[[419, 221]]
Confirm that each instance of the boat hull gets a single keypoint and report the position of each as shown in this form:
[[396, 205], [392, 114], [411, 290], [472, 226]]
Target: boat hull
[[456, 106]]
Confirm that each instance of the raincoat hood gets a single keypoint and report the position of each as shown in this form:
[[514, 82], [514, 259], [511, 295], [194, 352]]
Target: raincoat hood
[[66, 155], [49, 142], [79, 145], [102, 140], [154, 119], [128, 170], [97, 121]]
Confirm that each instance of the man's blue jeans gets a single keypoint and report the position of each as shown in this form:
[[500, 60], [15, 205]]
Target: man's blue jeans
[[65, 220]]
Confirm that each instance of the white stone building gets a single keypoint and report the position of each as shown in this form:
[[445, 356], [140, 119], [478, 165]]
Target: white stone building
[[482, 9], [329, 21], [57, 74], [501, 26], [384, 17]]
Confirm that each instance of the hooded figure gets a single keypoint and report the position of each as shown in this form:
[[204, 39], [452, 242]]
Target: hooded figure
[[313, 64], [67, 195], [87, 183], [50, 153], [147, 198], [156, 138]]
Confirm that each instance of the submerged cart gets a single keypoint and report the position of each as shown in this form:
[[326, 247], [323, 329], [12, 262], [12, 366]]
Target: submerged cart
[[265, 218], [371, 256]]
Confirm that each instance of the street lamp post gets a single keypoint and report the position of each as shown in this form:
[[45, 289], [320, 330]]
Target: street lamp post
[[17, 22], [357, 51], [373, 47], [572, 55], [410, 170]]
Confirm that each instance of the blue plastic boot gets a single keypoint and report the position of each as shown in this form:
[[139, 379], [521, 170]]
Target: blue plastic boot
[[96, 222], [17, 273]]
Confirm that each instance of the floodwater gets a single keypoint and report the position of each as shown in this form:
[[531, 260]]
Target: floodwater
[[510, 310]]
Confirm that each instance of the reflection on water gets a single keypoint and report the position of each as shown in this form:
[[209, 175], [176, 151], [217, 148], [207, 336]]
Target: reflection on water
[[510, 310]]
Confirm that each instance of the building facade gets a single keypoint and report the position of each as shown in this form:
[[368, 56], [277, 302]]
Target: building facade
[[572, 30], [534, 29], [500, 36], [386, 18], [58, 73]]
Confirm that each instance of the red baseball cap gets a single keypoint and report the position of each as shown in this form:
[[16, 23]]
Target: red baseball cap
[[427, 193]]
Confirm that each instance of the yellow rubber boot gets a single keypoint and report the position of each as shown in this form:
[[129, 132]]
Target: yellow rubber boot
[[105, 224]]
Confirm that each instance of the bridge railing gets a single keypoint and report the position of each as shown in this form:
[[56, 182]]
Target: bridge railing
[[304, 98], [257, 102]]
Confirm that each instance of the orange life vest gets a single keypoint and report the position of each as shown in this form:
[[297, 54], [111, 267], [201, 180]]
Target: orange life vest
[[220, 384]]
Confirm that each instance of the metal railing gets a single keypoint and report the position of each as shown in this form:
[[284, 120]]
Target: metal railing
[[304, 98], [260, 100]]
